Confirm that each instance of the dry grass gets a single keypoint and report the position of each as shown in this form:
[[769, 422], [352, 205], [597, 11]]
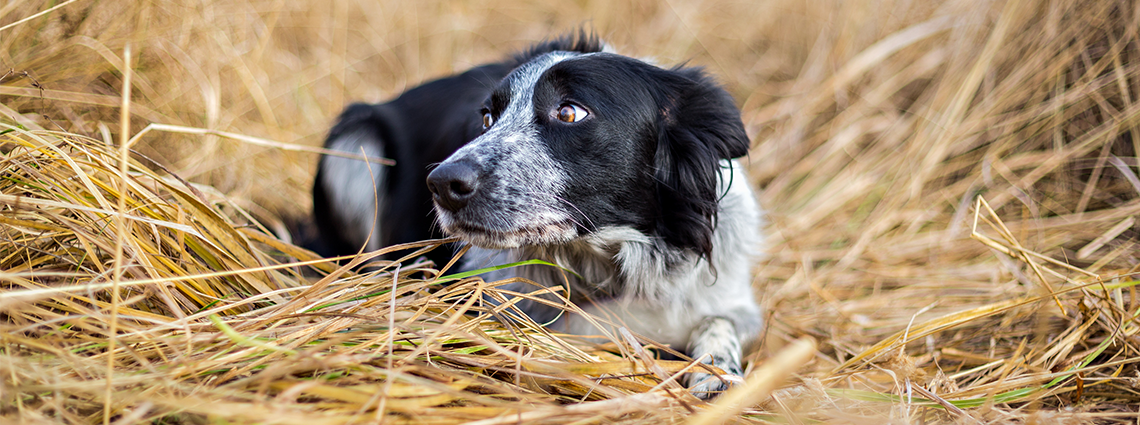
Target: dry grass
[[953, 188]]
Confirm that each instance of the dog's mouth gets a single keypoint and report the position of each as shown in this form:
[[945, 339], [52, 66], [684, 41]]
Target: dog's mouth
[[554, 232]]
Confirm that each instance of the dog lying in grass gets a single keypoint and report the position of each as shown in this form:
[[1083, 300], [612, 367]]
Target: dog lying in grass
[[616, 169]]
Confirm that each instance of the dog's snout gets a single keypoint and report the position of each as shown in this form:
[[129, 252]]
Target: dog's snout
[[452, 184]]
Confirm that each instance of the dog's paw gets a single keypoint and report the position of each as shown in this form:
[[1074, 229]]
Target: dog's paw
[[714, 342], [705, 386]]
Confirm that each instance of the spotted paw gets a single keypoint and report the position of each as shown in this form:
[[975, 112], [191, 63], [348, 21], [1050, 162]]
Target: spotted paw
[[705, 386]]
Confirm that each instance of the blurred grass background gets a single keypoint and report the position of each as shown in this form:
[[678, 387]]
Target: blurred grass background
[[876, 128]]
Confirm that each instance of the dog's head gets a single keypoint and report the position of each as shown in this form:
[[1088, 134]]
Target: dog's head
[[577, 142]]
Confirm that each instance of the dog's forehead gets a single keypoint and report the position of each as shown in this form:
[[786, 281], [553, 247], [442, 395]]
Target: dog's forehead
[[527, 74], [518, 86], [606, 71]]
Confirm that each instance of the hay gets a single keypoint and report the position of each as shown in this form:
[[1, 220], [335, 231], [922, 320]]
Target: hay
[[212, 323], [952, 185]]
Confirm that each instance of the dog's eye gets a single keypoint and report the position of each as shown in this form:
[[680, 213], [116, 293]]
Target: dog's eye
[[572, 113], [488, 120]]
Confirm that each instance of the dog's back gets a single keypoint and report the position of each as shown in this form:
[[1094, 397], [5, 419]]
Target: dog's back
[[422, 126]]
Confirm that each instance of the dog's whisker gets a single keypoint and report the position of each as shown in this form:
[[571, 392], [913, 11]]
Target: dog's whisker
[[592, 227]]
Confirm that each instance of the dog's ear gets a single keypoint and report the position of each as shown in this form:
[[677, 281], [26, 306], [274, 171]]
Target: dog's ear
[[698, 126]]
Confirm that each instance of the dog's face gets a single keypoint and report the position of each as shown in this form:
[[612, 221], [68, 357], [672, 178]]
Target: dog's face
[[576, 142]]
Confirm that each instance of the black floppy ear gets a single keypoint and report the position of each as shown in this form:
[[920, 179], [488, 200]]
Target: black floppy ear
[[698, 125]]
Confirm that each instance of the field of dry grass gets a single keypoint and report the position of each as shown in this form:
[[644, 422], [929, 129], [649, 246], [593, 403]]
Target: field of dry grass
[[953, 189]]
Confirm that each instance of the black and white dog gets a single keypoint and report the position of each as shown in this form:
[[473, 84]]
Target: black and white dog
[[606, 165]]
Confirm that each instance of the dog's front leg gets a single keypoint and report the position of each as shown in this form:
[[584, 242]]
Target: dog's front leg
[[715, 342]]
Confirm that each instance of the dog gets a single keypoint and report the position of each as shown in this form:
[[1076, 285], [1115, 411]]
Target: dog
[[616, 169]]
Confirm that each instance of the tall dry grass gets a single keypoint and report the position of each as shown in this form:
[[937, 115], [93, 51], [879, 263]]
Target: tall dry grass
[[952, 186]]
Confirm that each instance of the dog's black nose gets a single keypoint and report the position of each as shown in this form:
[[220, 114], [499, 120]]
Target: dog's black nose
[[452, 184]]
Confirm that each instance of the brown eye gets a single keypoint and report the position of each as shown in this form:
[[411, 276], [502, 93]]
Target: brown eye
[[572, 113], [488, 120]]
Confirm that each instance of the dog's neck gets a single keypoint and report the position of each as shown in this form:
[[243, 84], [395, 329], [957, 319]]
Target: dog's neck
[[617, 262]]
